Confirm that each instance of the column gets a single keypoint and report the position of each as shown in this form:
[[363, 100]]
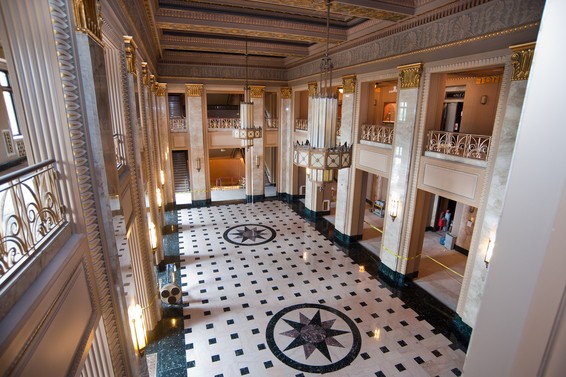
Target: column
[[255, 173], [314, 194], [162, 109], [199, 168], [501, 153], [350, 204], [285, 150], [394, 227]]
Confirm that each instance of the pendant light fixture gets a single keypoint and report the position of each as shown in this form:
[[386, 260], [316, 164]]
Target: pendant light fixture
[[247, 132], [320, 154]]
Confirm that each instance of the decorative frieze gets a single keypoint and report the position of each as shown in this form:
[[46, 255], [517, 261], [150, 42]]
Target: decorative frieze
[[488, 80], [286, 93], [257, 91], [88, 18], [349, 84], [521, 60], [410, 75], [194, 90], [313, 88], [130, 48]]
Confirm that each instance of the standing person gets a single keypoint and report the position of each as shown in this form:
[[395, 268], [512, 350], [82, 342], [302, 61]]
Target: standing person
[[441, 221], [447, 216]]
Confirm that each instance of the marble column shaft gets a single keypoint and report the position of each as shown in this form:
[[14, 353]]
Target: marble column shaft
[[255, 176], [162, 109], [200, 181], [286, 128]]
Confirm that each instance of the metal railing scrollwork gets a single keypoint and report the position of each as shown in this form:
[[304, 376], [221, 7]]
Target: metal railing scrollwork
[[32, 212], [271, 123], [119, 150], [459, 144], [223, 123], [378, 134], [301, 125], [177, 124]]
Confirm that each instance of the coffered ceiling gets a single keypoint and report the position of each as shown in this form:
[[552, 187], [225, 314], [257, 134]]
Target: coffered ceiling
[[286, 30]]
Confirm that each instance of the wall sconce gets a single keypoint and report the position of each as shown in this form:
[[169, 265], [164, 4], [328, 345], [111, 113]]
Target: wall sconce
[[340, 90], [152, 235], [483, 99], [256, 160], [488, 253], [198, 163], [162, 176], [137, 328], [158, 197], [394, 210]]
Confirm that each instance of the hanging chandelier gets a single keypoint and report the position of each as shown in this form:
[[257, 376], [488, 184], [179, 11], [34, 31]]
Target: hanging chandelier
[[320, 154], [247, 132]]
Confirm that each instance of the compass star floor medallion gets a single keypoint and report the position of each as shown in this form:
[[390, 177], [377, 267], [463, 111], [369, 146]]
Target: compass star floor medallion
[[249, 234], [313, 338]]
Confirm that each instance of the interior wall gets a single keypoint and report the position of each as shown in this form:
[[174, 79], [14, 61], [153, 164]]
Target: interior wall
[[226, 168]]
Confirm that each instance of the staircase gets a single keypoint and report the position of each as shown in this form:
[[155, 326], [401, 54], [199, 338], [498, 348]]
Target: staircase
[[180, 171]]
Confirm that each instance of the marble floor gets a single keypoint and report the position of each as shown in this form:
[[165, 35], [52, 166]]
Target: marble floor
[[267, 292]]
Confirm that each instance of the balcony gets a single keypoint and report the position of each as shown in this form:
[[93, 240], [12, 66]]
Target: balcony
[[301, 125], [377, 134], [177, 124], [459, 145], [223, 123], [32, 214]]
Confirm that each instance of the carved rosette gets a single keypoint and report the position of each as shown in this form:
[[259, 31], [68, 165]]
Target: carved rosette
[[410, 75], [521, 60], [161, 90], [130, 48], [313, 88], [88, 18], [194, 90], [145, 74], [286, 93], [257, 91], [349, 84]]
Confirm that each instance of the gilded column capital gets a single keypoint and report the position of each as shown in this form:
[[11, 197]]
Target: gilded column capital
[[130, 49], [145, 74], [161, 89], [154, 86], [151, 81], [286, 93], [313, 88], [257, 91], [88, 18], [349, 83], [521, 60], [410, 75], [194, 90]]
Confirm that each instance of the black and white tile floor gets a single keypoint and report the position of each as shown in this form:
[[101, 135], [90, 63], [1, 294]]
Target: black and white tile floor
[[265, 294]]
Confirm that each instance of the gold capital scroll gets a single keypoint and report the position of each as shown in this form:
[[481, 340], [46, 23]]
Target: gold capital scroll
[[161, 89], [286, 93], [194, 90], [349, 83], [257, 91], [145, 74], [88, 17], [410, 75], [313, 88], [130, 48], [521, 60]]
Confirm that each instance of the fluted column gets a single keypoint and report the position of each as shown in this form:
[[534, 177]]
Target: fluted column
[[314, 193], [397, 195], [162, 109], [350, 204], [500, 155], [255, 171], [141, 256], [198, 153]]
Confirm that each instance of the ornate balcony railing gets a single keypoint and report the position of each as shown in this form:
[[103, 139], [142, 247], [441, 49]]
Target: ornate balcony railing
[[177, 124], [301, 125], [32, 212], [271, 123], [223, 123], [459, 144], [119, 150], [378, 134]]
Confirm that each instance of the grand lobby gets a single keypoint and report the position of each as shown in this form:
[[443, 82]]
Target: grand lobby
[[282, 188]]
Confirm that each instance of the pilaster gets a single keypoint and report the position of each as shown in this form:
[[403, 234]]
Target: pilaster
[[397, 195], [501, 153], [199, 169]]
